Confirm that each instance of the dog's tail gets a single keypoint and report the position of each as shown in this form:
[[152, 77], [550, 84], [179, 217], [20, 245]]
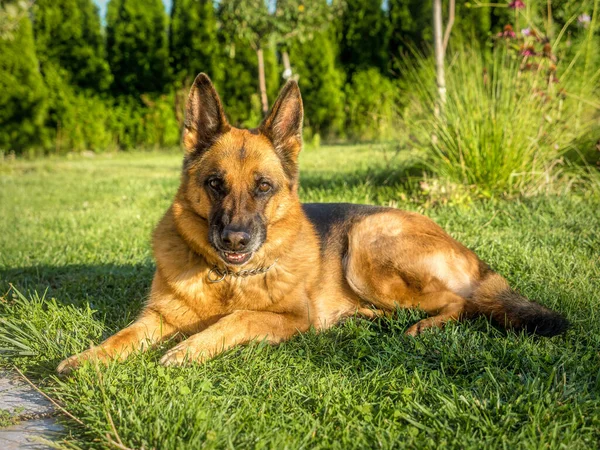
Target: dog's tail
[[494, 298]]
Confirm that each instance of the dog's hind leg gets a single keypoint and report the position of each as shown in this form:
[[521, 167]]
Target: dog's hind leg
[[400, 260]]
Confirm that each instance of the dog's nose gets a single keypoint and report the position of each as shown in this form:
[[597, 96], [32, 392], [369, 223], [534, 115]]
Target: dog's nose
[[235, 239]]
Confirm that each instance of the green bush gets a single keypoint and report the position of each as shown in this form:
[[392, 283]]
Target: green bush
[[505, 124], [152, 124], [371, 106], [322, 84], [68, 33], [80, 120], [22, 91], [76, 120]]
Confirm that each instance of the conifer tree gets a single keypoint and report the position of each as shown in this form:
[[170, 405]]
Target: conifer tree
[[410, 26], [364, 36], [22, 91], [193, 41], [321, 82], [136, 40], [68, 34], [239, 89]]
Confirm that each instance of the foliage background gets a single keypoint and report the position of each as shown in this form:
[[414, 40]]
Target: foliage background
[[522, 77]]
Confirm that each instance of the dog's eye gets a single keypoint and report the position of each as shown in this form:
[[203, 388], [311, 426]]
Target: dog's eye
[[215, 183], [264, 187]]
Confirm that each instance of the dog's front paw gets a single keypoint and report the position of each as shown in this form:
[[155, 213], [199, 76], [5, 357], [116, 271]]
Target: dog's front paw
[[67, 366], [72, 363], [183, 354]]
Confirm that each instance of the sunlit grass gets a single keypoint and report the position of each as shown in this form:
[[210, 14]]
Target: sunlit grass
[[75, 246]]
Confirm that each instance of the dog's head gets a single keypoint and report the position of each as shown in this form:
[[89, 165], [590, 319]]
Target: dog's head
[[240, 181]]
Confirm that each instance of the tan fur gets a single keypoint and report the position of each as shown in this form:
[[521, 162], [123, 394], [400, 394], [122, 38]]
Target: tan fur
[[369, 265]]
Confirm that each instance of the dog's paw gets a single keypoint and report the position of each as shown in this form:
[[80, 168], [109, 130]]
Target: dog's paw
[[418, 328], [67, 366], [72, 363], [183, 354]]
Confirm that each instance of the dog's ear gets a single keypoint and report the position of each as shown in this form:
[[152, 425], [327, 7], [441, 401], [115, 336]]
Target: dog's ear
[[283, 125], [204, 116]]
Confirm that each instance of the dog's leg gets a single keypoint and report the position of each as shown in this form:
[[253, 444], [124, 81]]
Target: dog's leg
[[145, 332], [236, 328], [400, 260], [442, 306]]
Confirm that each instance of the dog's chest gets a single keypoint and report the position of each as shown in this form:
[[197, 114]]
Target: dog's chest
[[235, 294]]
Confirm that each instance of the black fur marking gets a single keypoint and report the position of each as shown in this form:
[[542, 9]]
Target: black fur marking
[[326, 216], [532, 317], [243, 152]]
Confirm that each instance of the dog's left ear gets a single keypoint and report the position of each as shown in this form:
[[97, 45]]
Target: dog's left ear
[[283, 125]]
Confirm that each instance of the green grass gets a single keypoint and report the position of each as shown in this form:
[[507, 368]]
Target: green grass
[[9, 418], [510, 123], [75, 244]]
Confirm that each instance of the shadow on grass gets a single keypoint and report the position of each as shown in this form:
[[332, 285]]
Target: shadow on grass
[[356, 346], [116, 291], [400, 177]]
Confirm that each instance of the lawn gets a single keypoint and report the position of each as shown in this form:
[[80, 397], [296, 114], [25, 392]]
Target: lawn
[[75, 244]]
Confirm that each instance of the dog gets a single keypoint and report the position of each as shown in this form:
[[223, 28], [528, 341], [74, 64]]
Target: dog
[[239, 258]]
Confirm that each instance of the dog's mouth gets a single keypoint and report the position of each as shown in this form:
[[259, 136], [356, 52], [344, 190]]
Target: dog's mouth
[[236, 258]]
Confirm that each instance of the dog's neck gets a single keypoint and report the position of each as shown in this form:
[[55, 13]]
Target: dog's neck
[[216, 274]]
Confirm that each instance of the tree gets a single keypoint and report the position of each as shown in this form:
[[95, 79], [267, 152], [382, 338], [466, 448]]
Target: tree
[[239, 88], [193, 41], [137, 46], [257, 24], [22, 91], [11, 13], [299, 21], [68, 34], [251, 23], [410, 26], [364, 36], [441, 38], [321, 82]]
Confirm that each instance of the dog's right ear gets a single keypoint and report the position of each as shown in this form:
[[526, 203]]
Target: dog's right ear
[[205, 119]]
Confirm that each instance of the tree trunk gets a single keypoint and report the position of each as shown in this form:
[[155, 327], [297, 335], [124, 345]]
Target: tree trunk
[[438, 45], [287, 68], [262, 84]]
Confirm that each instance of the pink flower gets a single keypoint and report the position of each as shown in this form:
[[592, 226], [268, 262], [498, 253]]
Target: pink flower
[[507, 33], [584, 20], [528, 51], [516, 4], [526, 31]]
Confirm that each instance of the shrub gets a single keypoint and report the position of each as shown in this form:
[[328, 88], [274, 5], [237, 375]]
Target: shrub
[[80, 120], [321, 82], [22, 91], [151, 124], [371, 101], [76, 120], [506, 122]]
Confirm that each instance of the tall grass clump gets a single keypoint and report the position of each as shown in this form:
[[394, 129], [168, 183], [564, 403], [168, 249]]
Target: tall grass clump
[[511, 113]]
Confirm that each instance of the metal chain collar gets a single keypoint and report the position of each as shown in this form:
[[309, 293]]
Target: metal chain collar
[[216, 275]]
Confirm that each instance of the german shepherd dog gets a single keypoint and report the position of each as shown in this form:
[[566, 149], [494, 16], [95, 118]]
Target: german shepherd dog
[[239, 258]]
